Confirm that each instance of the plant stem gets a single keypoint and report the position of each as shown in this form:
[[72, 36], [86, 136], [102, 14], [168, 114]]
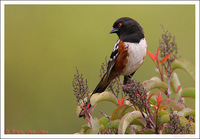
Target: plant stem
[[121, 84], [168, 84], [144, 129], [160, 72], [156, 129]]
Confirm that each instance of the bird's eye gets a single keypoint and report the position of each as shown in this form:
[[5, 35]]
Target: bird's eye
[[120, 24]]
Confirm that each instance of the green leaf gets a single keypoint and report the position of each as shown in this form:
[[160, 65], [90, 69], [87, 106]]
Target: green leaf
[[175, 83], [188, 92], [164, 118], [78, 110], [127, 119], [101, 128], [103, 121], [183, 121], [140, 122], [95, 125], [136, 128], [186, 112], [155, 79], [130, 130], [173, 104], [119, 112], [154, 83], [113, 124], [84, 129], [153, 100], [163, 112], [104, 96], [184, 65]]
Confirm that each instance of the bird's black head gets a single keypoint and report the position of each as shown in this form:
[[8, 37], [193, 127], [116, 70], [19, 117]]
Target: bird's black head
[[128, 30]]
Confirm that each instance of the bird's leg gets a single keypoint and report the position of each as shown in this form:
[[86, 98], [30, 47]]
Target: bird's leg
[[128, 78]]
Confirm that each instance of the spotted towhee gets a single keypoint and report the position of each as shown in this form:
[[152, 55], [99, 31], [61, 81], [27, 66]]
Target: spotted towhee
[[128, 53]]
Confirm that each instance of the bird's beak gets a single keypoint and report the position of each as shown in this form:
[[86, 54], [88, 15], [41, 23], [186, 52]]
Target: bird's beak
[[113, 30]]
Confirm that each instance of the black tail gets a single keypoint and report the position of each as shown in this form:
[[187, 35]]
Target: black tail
[[103, 84]]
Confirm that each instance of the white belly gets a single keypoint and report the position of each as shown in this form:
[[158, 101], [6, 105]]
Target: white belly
[[137, 52]]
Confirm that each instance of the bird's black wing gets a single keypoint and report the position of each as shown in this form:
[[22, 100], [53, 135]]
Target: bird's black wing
[[113, 59]]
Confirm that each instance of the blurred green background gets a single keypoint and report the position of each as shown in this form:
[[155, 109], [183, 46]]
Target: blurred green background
[[44, 44]]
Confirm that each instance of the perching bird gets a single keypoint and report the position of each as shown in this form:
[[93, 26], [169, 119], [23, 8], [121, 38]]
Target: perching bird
[[127, 55]]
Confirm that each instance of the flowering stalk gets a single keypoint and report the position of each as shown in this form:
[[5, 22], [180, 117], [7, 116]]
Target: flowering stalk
[[168, 51]]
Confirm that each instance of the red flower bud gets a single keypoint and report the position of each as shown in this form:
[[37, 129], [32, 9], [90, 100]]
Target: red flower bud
[[82, 107], [159, 98], [138, 95]]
